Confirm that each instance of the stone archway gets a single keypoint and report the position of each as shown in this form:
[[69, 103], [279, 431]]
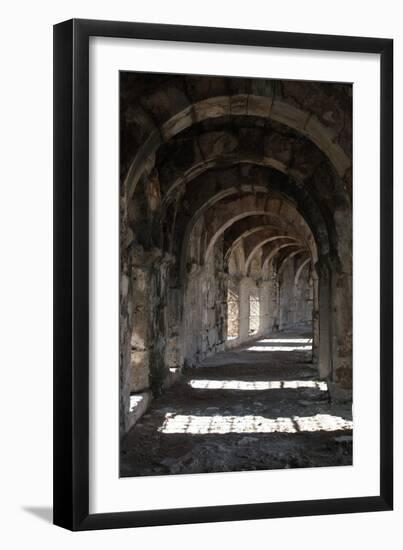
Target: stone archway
[[218, 187]]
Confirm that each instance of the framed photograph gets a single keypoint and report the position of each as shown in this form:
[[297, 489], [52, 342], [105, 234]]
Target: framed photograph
[[223, 293]]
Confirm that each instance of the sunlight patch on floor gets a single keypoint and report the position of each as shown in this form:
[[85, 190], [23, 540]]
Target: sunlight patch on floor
[[280, 348], [286, 341], [135, 401], [191, 424], [256, 385]]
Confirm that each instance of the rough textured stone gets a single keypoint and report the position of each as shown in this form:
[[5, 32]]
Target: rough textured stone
[[237, 412], [232, 185]]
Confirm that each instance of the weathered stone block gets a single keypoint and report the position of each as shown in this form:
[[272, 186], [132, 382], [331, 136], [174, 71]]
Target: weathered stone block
[[139, 370]]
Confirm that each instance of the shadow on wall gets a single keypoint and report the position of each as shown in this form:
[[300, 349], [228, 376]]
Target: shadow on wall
[[45, 513]]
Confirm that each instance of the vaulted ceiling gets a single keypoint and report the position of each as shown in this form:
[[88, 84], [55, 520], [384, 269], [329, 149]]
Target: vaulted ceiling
[[260, 162]]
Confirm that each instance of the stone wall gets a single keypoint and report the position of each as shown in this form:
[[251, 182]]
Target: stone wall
[[295, 300], [205, 324], [285, 302], [231, 183]]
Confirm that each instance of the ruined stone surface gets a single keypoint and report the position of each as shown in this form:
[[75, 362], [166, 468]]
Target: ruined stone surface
[[202, 425], [232, 183], [138, 405]]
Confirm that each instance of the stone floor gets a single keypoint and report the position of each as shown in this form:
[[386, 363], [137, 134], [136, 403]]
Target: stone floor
[[257, 407]]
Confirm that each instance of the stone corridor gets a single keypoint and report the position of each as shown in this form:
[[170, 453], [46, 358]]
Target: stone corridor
[[235, 307], [257, 406]]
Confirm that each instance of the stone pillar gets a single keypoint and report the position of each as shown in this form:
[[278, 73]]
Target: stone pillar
[[325, 360], [342, 334], [265, 306], [139, 367], [275, 304], [341, 304], [282, 304], [296, 304], [149, 333], [335, 328], [315, 318], [174, 351], [126, 323], [244, 309]]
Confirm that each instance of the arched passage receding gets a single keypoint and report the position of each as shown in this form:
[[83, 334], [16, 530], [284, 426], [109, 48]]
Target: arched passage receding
[[235, 194]]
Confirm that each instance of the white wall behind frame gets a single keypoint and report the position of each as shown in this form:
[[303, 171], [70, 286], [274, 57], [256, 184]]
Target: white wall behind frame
[[108, 492]]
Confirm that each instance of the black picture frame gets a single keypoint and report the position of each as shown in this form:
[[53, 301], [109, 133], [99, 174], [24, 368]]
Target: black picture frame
[[71, 274]]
